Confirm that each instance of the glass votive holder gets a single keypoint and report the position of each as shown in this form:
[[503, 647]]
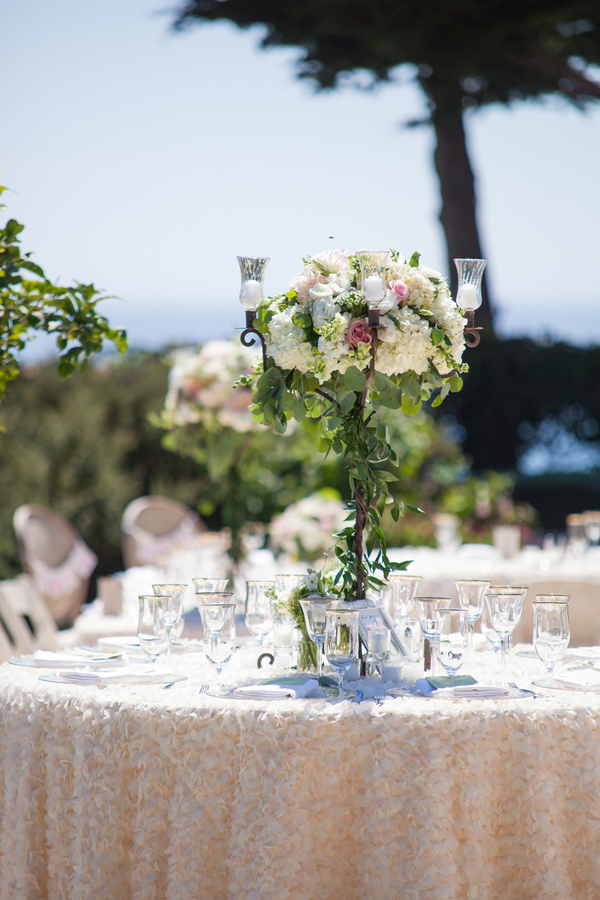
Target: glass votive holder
[[284, 640], [378, 648]]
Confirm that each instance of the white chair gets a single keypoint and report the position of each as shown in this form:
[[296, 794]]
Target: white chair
[[26, 618], [56, 557], [154, 526], [584, 611]]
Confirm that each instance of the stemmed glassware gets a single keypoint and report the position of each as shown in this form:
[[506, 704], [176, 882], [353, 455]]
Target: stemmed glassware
[[258, 612], [171, 609], [152, 631], [452, 641], [401, 591], [210, 585], [341, 643], [430, 622], [218, 638], [315, 609], [470, 598], [488, 630], [551, 632], [505, 608]]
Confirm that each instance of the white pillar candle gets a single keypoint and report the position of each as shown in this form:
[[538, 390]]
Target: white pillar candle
[[252, 294], [378, 640], [468, 298], [374, 289]]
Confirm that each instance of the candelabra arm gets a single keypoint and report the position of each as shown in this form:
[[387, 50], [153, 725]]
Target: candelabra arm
[[249, 336], [472, 336]]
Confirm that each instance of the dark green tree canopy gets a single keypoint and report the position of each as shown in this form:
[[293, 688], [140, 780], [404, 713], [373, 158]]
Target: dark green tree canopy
[[464, 54], [496, 51]]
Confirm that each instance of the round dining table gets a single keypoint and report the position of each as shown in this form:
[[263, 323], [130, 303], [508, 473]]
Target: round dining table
[[137, 791]]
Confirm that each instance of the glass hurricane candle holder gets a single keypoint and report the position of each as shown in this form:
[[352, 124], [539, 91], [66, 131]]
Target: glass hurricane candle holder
[[253, 272], [373, 283], [470, 275]]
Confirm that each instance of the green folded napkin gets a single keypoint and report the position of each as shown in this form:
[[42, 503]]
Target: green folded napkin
[[450, 681]]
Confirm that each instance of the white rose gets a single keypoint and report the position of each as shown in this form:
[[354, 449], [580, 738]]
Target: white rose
[[324, 310], [320, 291]]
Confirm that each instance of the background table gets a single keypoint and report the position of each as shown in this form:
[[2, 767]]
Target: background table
[[141, 792]]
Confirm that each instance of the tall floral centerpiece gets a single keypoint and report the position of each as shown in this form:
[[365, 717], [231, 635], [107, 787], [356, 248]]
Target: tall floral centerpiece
[[354, 335]]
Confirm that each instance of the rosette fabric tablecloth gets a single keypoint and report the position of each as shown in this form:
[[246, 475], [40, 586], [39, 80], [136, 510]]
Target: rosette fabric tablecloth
[[137, 792]]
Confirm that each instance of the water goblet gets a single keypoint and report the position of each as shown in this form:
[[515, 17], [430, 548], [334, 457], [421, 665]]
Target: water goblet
[[171, 610], [470, 598], [258, 610], [315, 609], [152, 631], [341, 643], [488, 630], [551, 632], [430, 624], [505, 608], [452, 641], [218, 639], [210, 585], [400, 593]]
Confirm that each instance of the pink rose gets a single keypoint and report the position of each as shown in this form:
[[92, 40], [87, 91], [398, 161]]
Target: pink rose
[[358, 333], [401, 290]]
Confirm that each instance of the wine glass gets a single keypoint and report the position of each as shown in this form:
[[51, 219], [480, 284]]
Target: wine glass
[[452, 641], [400, 593], [488, 630], [430, 624], [470, 598], [218, 639], [505, 608], [258, 611], [152, 631], [171, 608], [341, 643], [551, 632], [315, 609]]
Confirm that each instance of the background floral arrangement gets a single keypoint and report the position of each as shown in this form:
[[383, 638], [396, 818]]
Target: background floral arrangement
[[200, 384], [304, 529]]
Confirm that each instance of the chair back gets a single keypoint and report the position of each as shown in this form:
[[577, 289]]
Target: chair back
[[56, 557], [26, 618], [153, 526]]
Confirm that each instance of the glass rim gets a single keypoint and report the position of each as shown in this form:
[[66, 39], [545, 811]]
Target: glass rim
[[344, 612], [175, 587], [506, 589], [552, 598], [403, 577], [429, 599], [472, 581], [219, 605]]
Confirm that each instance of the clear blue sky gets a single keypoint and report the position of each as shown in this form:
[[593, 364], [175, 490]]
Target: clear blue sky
[[145, 161]]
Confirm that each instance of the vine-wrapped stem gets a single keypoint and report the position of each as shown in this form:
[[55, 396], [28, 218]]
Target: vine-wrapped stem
[[361, 504]]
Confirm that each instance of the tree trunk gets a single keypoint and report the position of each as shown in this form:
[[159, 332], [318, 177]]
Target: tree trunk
[[457, 184]]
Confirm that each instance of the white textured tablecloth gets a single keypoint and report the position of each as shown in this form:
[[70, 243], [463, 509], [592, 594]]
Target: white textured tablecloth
[[138, 792]]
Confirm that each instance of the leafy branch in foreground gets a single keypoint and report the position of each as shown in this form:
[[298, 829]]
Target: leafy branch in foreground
[[30, 303]]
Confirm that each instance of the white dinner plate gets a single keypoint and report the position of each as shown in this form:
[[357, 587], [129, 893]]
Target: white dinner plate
[[56, 678], [131, 644], [82, 661], [513, 694]]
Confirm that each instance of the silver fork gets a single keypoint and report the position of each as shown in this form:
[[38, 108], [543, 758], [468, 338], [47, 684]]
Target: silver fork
[[379, 697], [203, 689]]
